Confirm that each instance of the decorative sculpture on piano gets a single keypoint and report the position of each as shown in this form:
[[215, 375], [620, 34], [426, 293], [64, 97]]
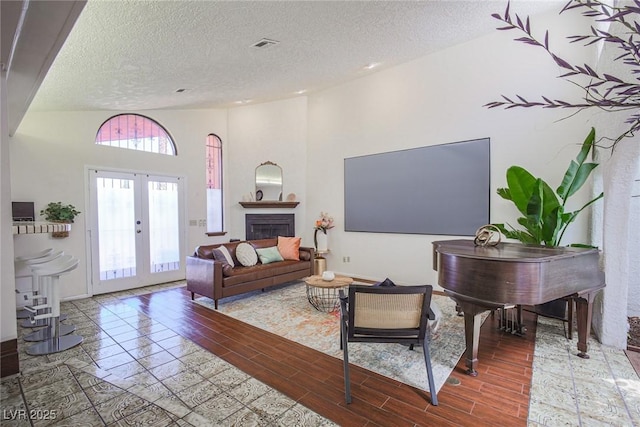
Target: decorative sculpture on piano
[[487, 235]]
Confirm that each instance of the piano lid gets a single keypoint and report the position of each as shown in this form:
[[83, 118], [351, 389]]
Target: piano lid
[[508, 251], [514, 273]]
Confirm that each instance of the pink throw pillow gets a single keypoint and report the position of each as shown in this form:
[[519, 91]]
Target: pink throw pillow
[[288, 247]]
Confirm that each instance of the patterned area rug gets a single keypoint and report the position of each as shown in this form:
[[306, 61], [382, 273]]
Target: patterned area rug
[[285, 311]]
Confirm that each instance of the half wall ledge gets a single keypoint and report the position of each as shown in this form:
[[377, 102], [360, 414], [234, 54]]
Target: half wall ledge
[[24, 227]]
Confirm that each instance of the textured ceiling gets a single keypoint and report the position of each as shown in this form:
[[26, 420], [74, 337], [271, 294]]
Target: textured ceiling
[[134, 55]]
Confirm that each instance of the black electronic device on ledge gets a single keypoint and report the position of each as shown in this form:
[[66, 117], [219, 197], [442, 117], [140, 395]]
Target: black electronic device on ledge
[[23, 211]]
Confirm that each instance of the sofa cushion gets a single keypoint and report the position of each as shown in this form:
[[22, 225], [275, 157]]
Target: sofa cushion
[[227, 270], [222, 254], [241, 275], [246, 254], [289, 247], [269, 255], [288, 266]]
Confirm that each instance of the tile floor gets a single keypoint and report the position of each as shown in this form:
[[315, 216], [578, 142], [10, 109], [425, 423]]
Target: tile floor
[[569, 391], [132, 370]]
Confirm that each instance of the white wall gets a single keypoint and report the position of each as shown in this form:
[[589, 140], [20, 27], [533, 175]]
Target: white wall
[[434, 100], [633, 302], [7, 295], [616, 225], [51, 151], [620, 169], [276, 132]]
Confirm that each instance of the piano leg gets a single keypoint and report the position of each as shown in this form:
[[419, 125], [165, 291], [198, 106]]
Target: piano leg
[[569, 318], [472, 335], [584, 311], [521, 329]]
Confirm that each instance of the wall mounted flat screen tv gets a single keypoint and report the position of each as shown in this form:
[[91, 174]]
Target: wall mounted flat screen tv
[[439, 189]]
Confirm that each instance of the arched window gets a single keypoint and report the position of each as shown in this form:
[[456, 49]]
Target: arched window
[[214, 184], [136, 132]]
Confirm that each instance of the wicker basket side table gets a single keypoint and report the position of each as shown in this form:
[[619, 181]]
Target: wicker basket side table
[[323, 294]]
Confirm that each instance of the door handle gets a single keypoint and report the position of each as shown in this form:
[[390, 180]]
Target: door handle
[[138, 231]]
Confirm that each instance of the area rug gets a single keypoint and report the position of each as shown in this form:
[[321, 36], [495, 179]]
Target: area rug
[[285, 311]]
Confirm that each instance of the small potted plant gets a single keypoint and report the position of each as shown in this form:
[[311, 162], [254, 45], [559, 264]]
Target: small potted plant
[[57, 212]]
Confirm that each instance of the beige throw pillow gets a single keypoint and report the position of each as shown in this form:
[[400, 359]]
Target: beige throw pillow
[[246, 254], [221, 253]]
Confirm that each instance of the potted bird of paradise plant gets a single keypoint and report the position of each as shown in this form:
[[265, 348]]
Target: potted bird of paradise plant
[[545, 219]]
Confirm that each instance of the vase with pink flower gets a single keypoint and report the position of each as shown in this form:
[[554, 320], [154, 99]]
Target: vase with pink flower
[[324, 223]]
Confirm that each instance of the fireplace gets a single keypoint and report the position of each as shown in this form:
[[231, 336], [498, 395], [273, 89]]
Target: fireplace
[[267, 226]]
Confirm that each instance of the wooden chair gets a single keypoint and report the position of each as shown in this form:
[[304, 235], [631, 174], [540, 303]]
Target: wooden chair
[[381, 314]]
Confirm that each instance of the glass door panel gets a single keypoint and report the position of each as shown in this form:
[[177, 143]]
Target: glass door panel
[[116, 228], [164, 226], [136, 230]]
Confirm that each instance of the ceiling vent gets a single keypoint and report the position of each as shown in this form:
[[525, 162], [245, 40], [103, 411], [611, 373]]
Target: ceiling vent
[[264, 43]]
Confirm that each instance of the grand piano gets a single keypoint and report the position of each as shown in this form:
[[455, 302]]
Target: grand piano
[[481, 278]]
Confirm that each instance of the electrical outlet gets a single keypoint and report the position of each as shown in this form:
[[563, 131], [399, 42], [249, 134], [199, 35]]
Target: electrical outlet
[[346, 259]]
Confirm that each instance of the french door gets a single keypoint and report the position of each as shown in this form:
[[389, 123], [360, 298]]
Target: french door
[[137, 230]]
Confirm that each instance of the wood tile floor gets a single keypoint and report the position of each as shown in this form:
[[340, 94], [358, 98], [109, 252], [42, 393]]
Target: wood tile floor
[[152, 357]]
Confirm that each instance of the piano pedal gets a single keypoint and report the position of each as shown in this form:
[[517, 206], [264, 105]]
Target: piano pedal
[[519, 330]]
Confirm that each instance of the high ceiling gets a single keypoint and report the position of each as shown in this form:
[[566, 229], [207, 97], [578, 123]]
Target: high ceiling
[[137, 55]]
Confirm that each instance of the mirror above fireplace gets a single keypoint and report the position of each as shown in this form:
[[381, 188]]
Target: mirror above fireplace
[[268, 182]]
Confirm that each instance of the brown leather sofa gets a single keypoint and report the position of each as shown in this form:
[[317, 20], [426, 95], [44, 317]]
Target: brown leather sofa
[[216, 279]]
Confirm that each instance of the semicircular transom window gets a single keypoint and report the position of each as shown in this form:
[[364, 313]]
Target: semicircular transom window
[[136, 132]]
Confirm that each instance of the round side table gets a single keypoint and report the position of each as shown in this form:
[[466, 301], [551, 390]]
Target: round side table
[[323, 294]]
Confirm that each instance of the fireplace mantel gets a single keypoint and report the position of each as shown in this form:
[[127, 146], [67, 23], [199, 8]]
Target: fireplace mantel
[[268, 205]]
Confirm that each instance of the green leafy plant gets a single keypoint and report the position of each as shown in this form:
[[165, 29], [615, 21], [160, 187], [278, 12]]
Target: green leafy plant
[[56, 211], [545, 220]]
